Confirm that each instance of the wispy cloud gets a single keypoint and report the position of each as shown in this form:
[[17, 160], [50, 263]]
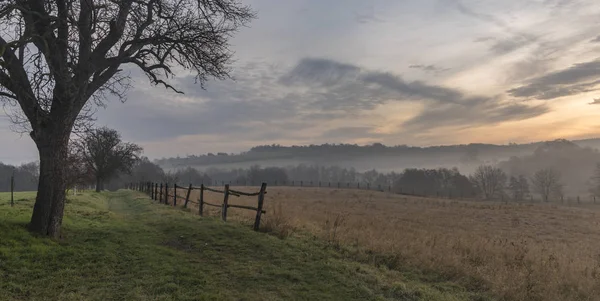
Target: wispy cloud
[[579, 78], [429, 68]]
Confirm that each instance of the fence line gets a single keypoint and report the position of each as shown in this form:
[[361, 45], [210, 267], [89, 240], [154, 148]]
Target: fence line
[[449, 194], [157, 192]]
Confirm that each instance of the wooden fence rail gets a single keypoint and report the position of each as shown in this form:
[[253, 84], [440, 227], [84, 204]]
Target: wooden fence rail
[[160, 192]]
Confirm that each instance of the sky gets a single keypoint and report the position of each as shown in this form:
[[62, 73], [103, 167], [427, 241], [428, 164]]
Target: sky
[[416, 72]]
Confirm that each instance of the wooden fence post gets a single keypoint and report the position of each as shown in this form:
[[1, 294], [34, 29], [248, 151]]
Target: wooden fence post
[[187, 196], [225, 203], [12, 190], [261, 200], [174, 194], [160, 198], [155, 191], [200, 209], [166, 193]]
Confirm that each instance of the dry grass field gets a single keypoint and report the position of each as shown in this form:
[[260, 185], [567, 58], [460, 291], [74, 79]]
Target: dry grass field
[[515, 251]]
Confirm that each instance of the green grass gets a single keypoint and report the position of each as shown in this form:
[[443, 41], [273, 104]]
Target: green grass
[[121, 246]]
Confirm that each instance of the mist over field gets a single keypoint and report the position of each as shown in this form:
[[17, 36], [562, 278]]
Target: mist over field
[[575, 160]]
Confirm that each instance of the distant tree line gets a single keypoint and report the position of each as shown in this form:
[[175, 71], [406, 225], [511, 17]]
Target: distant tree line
[[26, 176], [276, 151]]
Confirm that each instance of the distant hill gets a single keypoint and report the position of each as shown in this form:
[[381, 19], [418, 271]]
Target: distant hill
[[375, 156]]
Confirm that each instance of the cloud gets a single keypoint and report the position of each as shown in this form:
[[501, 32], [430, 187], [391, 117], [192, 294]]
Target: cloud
[[510, 44], [349, 87], [595, 102], [428, 68], [472, 113], [513, 39], [317, 98], [579, 78]]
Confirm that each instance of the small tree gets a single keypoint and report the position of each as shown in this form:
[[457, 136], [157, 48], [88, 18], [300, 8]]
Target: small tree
[[519, 187], [105, 154], [546, 182], [489, 180]]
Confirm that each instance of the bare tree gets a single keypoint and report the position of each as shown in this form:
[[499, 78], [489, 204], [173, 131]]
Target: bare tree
[[77, 172], [547, 183], [58, 55], [105, 154], [32, 169], [489, 180], [519, 187]]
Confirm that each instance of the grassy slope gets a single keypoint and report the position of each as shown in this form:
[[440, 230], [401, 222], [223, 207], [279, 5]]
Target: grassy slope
[[121, 246]]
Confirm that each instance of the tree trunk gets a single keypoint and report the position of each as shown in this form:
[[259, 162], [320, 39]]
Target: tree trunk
[[99, 184], [50, 201]]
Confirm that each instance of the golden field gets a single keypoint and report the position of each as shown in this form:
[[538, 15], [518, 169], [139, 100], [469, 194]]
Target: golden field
[[514, 251]]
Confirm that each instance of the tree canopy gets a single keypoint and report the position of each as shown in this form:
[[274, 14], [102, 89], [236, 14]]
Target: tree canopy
[[104, 153]]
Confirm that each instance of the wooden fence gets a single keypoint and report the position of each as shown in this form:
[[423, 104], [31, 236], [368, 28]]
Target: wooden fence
[[163, 193]]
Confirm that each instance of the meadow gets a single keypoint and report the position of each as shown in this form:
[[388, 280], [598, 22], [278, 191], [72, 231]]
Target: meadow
[[513, 251], [123, 246]]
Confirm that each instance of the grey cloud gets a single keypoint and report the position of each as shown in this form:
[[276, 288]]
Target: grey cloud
[[428, 68], [268, 103], [596, 40], [570, 81], [319, 71], [473, 114], [596, 101], [250, 107], [347, 87], [507, 45]]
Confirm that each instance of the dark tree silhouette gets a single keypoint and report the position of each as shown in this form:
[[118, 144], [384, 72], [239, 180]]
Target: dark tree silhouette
[[78, 173], [547, 183], [104, 153], [58, 55], [489, 180], [518, 187]]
